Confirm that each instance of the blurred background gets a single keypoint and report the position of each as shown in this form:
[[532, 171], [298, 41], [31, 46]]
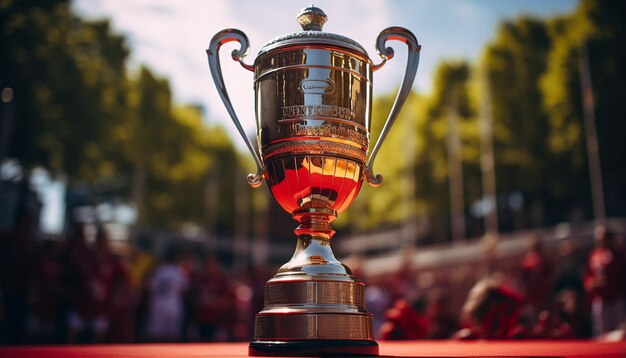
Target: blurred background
[[125, 215]]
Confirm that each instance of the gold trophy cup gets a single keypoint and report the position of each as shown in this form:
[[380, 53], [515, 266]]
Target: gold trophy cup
[[313, 94]]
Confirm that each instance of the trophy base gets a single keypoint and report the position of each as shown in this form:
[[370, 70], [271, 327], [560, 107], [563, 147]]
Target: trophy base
[[314, 306], [313, 348]]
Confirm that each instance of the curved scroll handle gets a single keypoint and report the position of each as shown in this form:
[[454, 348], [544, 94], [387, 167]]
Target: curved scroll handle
[[222, 37], [404, 35]]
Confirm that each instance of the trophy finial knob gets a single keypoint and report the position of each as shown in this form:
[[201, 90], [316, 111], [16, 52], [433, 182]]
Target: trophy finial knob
[[311, 18]]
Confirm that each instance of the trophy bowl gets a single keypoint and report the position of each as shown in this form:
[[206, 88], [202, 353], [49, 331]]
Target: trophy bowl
[[313, 95]]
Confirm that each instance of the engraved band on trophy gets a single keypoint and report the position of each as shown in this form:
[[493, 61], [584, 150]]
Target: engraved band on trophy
[[313, 93]]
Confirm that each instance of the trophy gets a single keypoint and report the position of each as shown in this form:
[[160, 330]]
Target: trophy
[[313, 93]]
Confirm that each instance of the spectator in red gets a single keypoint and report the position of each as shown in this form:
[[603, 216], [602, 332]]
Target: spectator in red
[[568, 318], [212, 301], [113, 270], [491, 311], [15, 274], [570, 269], [442, 322], [403, 282], [47, 294], [604, 282], [95, 276], [535, 272], [84, 290], [403, 322]]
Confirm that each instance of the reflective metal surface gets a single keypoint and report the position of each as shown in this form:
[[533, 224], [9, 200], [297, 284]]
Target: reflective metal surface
[[281, 294], [403, 35], [312, 19], [313, 326], [314, 310], [217, 41], [313, 94]]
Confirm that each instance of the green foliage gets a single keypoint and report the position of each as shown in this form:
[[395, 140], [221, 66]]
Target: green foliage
[[386, 204], [172, 154], [514, 63], [532, 68], [77, 112], [607, 57], [599, 27], [68, 77], [414, 158], [452, 96]]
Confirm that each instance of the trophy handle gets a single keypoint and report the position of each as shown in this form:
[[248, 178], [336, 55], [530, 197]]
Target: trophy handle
[[406, 36], [222, 37]]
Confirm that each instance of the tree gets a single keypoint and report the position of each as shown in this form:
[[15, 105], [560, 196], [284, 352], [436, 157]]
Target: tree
[[383, 206], [68, 78], [514, 63], [76, 112], [171, 154], [452, 96], [598, 26], [415, 154]]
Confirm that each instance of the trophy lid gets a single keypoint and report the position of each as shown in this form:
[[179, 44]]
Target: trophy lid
[[312, 19]]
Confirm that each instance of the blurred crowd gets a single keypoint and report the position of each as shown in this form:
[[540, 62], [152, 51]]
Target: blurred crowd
[[86, 289], [81, 289], [569, 293]]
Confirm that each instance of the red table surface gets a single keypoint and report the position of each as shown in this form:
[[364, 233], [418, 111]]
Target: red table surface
[[387, 349]]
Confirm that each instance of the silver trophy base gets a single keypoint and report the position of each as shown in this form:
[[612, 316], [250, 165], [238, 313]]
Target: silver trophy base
[[314, 306]]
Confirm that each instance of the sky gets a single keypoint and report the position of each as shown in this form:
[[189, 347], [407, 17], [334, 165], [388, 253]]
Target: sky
[[171, 38]]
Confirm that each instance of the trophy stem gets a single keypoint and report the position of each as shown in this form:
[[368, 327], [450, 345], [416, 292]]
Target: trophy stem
[[313, 257], [314, 305], [315, 222]]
